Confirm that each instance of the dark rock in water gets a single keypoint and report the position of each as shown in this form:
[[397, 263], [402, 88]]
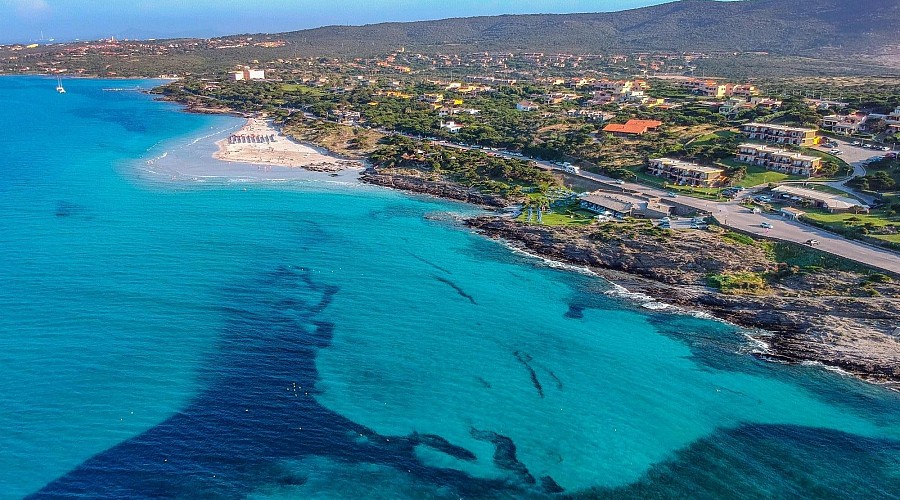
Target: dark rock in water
[[460, 291], [258, 411], [484, 383], [576, 311], [556, 379], [550, 486], [505, 454], [525, 359], [66, 209], [426, 261], [440, 444]]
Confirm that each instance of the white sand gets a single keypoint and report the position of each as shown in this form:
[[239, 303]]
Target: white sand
[[278, 150]]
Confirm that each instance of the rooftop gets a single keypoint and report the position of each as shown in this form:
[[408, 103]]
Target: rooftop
[[830, 200]]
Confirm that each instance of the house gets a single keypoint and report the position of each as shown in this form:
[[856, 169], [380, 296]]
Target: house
[[626, 205], [632, 127], [685, 173], [796, 136], [845, 124], [433, 98], [452, 126], [734, 106], [821, 199], [894, 117], [346, 117], [248, 74], [526, 106], [779, 160]]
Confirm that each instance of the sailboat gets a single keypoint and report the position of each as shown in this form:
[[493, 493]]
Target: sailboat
[[59, 87]]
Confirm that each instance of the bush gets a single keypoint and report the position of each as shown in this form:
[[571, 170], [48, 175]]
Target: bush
[[737, 283]]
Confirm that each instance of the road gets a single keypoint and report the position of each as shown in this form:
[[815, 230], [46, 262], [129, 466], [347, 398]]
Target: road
[[856, 157], [735, 216], [731, 214]]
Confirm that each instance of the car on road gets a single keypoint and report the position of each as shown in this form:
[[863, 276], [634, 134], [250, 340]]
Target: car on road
[[855, 143], [812, 243], [620, 181], [670, 194], [836, 151], [766, 225]]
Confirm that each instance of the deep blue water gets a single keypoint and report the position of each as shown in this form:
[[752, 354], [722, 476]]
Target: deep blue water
[[169, 335]]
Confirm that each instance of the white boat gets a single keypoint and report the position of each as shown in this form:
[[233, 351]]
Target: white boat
[[59, 87]]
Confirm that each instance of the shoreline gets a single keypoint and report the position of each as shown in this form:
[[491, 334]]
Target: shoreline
[[788, 336], [794, 330], [259, 142]]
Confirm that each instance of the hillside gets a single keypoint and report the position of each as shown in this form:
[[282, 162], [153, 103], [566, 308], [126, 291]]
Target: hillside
[[787, 27]]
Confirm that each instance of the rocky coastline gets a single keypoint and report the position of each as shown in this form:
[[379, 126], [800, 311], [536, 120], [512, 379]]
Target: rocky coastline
[[797, 319], [439, 189]]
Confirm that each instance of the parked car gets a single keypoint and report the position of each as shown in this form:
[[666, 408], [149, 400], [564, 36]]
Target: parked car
[[812, 243], [766, 225], [885, 148], [855, 143]]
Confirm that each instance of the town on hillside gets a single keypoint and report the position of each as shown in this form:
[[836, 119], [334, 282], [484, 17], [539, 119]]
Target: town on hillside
[[627, 134]]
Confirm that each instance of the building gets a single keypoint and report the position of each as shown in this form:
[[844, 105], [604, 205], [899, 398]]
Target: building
[[792, 213], [527, 106], [685, 173], [820, 199], [779, 160], [451, 126], [780, 134], [632, 127], [248, 74], [845, 124], [636, 205]]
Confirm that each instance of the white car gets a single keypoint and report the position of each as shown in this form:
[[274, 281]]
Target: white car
[[835, 151], [766, 225]]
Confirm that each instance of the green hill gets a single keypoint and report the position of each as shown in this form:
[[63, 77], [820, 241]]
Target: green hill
[[785, 27]]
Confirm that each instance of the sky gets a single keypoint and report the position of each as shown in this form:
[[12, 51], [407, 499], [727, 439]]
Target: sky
[[66, 20]]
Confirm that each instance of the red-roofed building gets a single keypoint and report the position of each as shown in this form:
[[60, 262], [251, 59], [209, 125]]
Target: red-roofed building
[[632, 127]]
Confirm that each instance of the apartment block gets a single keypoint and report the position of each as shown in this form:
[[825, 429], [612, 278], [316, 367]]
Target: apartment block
[[685, 173], [780, 134], [779, 160]]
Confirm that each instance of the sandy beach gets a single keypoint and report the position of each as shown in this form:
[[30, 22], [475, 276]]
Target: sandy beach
[[260, 143]]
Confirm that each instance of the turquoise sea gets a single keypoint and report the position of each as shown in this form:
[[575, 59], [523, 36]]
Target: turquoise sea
[[165, 334]]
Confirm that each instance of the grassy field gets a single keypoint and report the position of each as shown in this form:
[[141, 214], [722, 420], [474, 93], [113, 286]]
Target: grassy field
[[554, 218], [757, 175], [870, 224]]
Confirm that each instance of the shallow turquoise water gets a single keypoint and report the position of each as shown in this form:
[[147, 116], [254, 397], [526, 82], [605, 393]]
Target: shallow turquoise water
[[154, 333]]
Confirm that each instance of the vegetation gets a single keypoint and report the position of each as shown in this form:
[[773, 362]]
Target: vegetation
[[739, 283], [471, 168]]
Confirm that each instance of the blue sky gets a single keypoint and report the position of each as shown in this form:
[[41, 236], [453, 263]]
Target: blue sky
[[24, 20]]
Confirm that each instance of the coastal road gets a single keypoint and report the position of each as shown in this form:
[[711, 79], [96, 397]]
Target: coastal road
[[732, 214]]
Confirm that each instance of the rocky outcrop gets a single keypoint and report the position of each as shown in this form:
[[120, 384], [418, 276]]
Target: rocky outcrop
[[435, 188], [800, 319]]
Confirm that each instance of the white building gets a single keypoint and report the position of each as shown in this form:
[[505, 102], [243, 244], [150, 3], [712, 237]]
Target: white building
[[248, 74]]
